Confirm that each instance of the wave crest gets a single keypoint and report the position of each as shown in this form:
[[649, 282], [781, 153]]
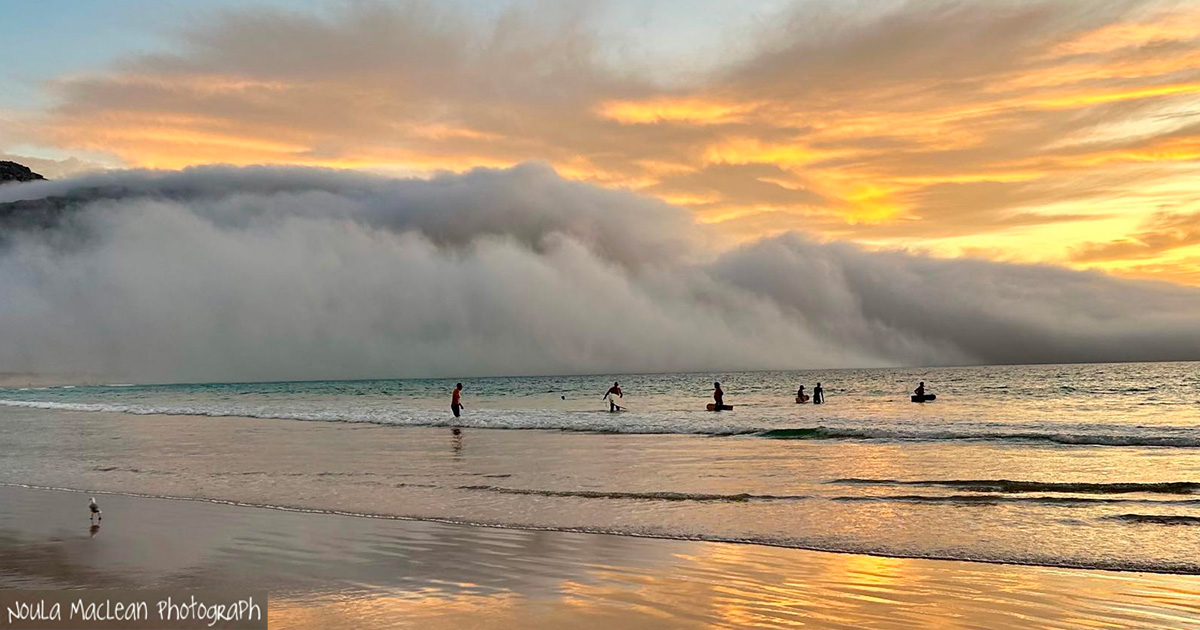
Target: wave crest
[[829, 433], [631, 427], [1012, 486]]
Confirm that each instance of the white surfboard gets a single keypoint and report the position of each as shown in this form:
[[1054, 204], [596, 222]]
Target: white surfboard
[[620, 401]]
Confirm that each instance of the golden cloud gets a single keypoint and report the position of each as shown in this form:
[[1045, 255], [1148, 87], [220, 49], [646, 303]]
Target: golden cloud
[[995, 128]]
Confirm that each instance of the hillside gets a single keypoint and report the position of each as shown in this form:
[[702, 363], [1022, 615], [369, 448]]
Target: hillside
[[13, 172]]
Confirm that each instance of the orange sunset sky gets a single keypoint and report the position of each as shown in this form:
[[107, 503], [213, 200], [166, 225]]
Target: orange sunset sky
[[1065, 132]]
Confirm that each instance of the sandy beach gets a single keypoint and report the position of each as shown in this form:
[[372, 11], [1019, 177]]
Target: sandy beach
[[344, 572]]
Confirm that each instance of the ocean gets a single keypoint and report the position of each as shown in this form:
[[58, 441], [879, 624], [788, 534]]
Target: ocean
[[1094, 466]]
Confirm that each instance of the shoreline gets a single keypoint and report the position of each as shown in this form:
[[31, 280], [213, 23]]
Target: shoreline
[[332, 571], [596, 531]]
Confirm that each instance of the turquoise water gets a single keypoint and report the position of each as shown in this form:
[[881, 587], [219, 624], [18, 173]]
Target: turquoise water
[[1140, 404]]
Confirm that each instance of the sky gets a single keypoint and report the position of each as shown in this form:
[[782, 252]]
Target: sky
[[1058, 132]]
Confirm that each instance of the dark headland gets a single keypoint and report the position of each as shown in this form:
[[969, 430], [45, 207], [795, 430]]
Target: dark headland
[[13, 172]]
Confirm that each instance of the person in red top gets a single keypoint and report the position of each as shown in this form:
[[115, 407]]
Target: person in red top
[[456, 400], [613, 393]]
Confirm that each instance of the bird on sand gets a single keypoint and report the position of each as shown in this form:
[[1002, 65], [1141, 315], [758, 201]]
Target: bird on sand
[[96, 514]]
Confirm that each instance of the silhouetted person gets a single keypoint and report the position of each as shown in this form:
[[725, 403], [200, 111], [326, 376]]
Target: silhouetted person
[[613, 393], [800, 394], [718, 396], [920, 390], [456, 400], [818, 395]]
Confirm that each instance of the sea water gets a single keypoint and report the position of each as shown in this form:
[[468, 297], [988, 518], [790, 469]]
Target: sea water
[[1068, 465]]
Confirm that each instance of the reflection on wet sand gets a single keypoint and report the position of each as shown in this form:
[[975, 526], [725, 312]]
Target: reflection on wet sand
[[785, 492], [328, 571], [725, 586]]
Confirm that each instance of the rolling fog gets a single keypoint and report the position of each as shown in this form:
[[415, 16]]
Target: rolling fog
[[226, 274]]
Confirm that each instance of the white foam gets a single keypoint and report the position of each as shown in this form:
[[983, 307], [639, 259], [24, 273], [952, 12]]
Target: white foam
[[631, 423]]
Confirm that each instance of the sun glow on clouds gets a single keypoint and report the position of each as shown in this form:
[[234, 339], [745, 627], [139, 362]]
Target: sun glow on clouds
[[964, 127], [1163, 28], [688, 110]]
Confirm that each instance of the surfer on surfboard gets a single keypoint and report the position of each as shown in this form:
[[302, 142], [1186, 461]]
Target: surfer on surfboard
[[613, 393]]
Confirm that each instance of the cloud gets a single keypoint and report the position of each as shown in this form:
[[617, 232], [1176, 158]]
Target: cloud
[[53, 169], [898, 303], [1164, 232], [951, 125], [282, 273]]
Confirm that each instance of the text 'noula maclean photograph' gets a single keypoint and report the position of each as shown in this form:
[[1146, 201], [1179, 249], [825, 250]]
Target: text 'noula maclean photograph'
[[647, 314]]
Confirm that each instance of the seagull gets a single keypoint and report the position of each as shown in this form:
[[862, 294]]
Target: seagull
[[95, 510]]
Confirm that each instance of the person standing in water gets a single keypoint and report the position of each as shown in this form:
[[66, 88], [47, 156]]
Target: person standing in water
[[719, 396], [613, 393], [800, 395], [456, 400], [818, 395]]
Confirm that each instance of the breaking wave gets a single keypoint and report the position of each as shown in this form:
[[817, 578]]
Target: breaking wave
[[593, 422], [743, 497], [1011, 486], [1098, 439]]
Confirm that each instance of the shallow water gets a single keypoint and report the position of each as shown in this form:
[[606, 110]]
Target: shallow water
[[1136, 404], [327, 571], [1116, 485]]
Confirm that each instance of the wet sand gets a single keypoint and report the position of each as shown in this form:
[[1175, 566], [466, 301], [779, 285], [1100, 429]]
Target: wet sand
[[330, 571]]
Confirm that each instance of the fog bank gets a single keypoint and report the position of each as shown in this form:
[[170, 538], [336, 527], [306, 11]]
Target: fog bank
[[225, 274]]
